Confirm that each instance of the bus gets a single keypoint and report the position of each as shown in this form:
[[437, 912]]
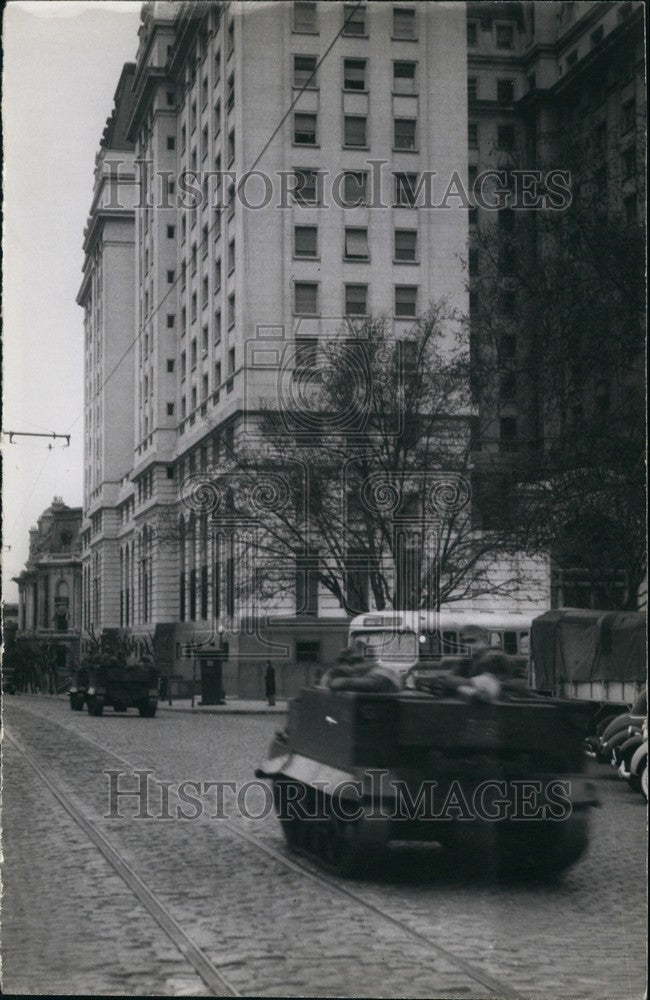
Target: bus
[[415, 642]]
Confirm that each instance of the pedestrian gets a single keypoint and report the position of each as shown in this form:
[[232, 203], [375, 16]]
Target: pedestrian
[[269, 683]]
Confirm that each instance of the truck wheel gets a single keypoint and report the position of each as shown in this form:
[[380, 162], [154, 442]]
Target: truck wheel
[[95, 706], [148, 710], [76, 703]]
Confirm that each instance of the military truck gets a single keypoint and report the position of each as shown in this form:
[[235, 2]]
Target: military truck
[[356, 774], [594, 657], [107, 681]]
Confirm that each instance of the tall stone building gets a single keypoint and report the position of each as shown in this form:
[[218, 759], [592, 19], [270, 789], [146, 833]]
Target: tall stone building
[[278, 198], [557, 297]]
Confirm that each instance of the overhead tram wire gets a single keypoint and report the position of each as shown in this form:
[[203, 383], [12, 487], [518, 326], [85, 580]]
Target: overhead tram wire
[[305, 86]]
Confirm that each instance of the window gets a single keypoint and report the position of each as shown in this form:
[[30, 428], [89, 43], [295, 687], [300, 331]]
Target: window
[[231, 145], [405, 190], [217, 118], [356, 244], [231, 255], [630, 206], [304, 17], [629, 162], [354, 19], [183, 407], [204, 387], [230, 92], [170, 321], [508, 434], [472, 88], [506, 218], [194, 397], [193, 353], [355, 188], [217, 66], [406, 244], [472, 33], [169, 97], [472, 135], [629, 115], [305, 241], [507, 346], [404, 77], [304, 71], [356, 300], [170, 365], [505, 36], [217, 275], [306, 298], [231, 310], [506, 137], [193, 258], [306, 191], [307, 583], [231, 362], [505, 91], [193, 305], [354, 130], [231, 40], [508, 387], [183, 365], [308, 652], [217, 326], [406, 300], [204, 293], [304, 129], [354, 74], [170, 409], [171, 232], [170, 277], [404, 133], [507, 303], [403, 22], [306, 358], [171, 142], [204, 341]]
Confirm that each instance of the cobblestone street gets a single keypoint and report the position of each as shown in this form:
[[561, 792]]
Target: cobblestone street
[[271, 927]]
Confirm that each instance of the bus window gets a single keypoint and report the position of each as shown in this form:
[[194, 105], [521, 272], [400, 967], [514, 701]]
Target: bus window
[[496, 640], [524, 643], [510, 643], [450, 643]]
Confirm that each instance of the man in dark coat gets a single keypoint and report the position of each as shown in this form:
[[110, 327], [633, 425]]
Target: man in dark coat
[[269, 683]]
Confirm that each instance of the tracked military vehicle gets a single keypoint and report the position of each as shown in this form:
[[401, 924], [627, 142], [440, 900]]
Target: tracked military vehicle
[[356, 774], [107, 681]]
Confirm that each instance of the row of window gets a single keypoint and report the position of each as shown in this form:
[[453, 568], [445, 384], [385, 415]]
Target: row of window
[[506, 136], [355, 74], [354, 20], [504, 36], [355, 244], [356, 300], [355, 131], [505, 92]]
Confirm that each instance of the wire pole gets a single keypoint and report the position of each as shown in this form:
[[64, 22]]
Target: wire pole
[[32, 434]]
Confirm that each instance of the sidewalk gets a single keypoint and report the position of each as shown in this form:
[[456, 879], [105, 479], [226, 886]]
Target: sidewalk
[[233, 706]]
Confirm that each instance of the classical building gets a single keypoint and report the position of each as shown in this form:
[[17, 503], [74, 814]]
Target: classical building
[[49, 588]]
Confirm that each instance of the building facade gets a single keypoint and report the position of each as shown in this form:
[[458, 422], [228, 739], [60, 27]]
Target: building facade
[[278, 151], [50, 588]]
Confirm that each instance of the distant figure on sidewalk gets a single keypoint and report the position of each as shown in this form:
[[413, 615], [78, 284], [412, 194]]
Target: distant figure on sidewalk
[[269, 683]]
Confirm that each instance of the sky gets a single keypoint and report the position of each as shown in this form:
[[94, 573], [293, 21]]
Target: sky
[[62, 62]]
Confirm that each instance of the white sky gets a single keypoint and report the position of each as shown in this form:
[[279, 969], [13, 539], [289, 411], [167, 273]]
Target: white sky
[[62, 61]]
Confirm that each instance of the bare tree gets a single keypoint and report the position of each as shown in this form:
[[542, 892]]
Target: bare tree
[[365, 488]]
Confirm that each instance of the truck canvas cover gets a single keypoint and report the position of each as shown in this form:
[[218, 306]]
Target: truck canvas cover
[[572, 644]]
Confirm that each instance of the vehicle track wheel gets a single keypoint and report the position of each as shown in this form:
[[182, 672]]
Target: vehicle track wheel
[[341, 846]]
